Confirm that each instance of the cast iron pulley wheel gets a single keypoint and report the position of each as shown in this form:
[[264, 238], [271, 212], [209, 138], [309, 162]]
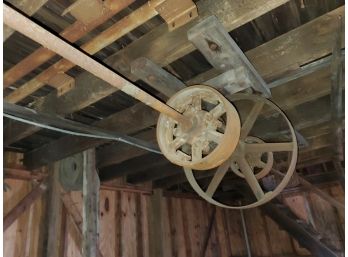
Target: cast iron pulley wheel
[[250, 153], [212, 135]]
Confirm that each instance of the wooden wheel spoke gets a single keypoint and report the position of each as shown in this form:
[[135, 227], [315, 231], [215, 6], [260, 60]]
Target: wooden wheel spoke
[[250, 120], [177, 142], [218, 110], [269, 147], [197, 152], [216, 180], [250, 178], [214, 136]]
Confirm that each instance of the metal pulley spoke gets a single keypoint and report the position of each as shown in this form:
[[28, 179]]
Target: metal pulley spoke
[[177, 142], [218, 110], [250, 178], [269, 147], [209, 140], [197, 151], [250, 120], [214, 136], [252, 160], [218, 176], [261, 164]]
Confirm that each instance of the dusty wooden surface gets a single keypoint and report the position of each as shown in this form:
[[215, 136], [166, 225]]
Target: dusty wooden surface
[[124, 219]]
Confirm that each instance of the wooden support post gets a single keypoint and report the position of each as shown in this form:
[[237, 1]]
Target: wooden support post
[[24, 204], [91, 185], [54, 213], [76, 219], [155, 224], [337, 81]]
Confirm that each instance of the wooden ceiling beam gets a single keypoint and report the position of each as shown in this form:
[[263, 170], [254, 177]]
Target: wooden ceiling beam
[[155, 173], [142, 108], [29, 7], [132, 166], [72, 33], [303, 116], [80, 96]]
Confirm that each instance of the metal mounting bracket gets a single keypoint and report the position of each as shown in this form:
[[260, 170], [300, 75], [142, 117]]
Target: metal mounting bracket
[[156, 76], [220, 50]]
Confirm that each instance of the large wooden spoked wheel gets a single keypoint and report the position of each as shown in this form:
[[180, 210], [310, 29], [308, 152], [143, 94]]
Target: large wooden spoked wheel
[[245, 149], [212, 136]]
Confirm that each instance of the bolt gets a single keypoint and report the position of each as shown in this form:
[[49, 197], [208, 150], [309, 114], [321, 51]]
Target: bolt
[[213, 46]]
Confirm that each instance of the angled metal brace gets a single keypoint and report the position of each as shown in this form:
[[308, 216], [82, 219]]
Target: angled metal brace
[[220, 50]]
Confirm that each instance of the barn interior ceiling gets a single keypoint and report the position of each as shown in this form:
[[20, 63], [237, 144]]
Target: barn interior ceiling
[[288, 51]]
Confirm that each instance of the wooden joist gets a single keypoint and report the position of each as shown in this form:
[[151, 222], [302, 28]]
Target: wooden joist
[[73, 55], [81, 96], [77, 98], [29, 7], [156, 173], [71, 33], [132, 166]]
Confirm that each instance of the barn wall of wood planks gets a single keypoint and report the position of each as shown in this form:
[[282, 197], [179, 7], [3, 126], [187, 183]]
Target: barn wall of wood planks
[[124, 225]]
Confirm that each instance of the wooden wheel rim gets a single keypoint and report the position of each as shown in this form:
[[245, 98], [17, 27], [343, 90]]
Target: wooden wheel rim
[[205, 126], [224, 167]]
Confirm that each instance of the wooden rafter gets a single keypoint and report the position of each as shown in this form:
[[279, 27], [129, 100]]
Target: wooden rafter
[[71, 33], [242, 12], [28, 7]]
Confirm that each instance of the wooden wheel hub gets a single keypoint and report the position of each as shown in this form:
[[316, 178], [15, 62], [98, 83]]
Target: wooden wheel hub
[[212, 135]]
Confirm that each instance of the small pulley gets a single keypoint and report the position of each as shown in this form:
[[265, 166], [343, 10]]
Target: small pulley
[[71, 173], [212, 134]]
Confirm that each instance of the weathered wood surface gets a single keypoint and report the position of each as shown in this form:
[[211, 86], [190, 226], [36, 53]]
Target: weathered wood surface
[[119, 122], [54, 214], [185, 222], [129, 167], [90, 210], [337, 109], [23, 237], [298, 32], [81, 96], [24, 204], [28, 7], [72, 33]]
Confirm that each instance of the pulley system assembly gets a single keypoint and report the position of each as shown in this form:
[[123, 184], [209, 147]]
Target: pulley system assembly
[[199, 128]]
